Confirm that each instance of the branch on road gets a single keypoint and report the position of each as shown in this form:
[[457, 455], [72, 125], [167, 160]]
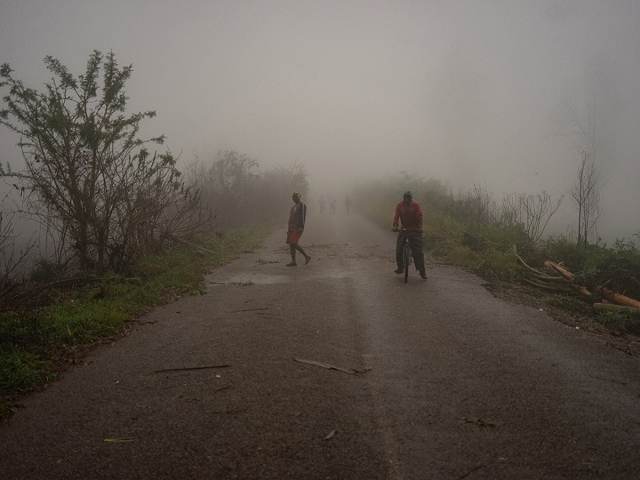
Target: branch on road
[[350, 371], [470, 471]]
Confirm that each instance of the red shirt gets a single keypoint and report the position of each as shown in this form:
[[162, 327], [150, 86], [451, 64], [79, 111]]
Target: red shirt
[[410, 216]]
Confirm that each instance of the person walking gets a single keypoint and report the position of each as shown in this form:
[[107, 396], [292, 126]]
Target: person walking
[[409, 214], [322, 204], [347, 203], [297, 218]]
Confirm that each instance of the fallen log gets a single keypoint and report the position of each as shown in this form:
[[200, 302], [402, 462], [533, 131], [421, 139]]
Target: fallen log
[[562, 271], [568, 277], [538, 284], [608, 297], [536, 273], [555, 287], [548, 278], [617, 298]]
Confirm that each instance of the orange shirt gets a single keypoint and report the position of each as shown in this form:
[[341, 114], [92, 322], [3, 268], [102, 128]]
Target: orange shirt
[[409, 216]]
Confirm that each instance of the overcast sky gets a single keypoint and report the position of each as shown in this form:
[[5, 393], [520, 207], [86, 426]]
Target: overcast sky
[[464, 91]]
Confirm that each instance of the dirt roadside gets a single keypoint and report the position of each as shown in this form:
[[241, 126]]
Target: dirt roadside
[[516, 293]]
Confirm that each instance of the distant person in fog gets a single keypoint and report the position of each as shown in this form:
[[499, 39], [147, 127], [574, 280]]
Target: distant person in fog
[[332, 205], [347, 203], [297, 218], [322, 203]]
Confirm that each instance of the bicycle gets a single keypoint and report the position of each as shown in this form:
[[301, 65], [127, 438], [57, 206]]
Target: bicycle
[[406, 257], [406, 253]]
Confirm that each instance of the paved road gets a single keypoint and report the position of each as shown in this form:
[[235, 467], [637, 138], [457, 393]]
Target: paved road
[[453, 382]]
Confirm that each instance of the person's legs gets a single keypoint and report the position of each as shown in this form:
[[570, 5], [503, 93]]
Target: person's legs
[[399, 247], [299, 248], [292, 249], [415, 240]]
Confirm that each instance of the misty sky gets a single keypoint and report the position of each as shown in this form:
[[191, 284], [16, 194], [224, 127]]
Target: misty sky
[[464, 91]]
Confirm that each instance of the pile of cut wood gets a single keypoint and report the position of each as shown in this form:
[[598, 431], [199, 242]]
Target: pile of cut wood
[[564, 282]]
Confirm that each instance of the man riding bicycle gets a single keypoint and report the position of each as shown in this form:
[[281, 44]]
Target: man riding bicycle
[[409, 214]]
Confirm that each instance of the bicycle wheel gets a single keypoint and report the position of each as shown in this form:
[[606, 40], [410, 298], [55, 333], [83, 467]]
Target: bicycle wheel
[[406, 255]]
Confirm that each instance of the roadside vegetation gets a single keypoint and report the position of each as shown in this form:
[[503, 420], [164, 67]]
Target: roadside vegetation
[[122, 228], [504, 240], [60, 318]]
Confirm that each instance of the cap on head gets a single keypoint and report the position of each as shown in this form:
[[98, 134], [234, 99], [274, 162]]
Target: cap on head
[[295, 194], [408, 192]]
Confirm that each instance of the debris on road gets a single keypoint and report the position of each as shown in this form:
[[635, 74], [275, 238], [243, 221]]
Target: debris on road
[[331, 435], [249, 310], [350, 371], [190, 368], [471, 471], [230, 411], [481, 423]]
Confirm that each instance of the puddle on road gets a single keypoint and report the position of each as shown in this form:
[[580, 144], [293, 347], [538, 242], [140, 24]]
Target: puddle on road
[[257, 278]]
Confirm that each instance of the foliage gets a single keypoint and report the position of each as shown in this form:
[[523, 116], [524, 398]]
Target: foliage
[[87, 175]]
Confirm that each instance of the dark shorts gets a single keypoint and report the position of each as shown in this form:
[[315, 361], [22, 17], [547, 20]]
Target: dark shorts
[[293, 237]]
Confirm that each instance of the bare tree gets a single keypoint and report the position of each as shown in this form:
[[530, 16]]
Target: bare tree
[[585, 193], [537, 211]]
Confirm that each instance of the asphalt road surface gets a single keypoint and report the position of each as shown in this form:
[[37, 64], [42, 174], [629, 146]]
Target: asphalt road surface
[[336, 370]]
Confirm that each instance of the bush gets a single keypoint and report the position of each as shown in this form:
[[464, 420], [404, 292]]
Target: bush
[[19, 369]]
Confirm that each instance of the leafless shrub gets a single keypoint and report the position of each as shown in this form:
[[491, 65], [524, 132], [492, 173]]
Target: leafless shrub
[[537, 210], [585, 193], [477, 206], [231, 185], [510, 211]]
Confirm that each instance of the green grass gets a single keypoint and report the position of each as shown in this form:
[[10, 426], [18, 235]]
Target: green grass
[[570, 304], [18, 368], [621, 322], [32, 342]]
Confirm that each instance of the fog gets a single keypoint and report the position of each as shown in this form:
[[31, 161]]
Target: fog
[[470, 92]]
